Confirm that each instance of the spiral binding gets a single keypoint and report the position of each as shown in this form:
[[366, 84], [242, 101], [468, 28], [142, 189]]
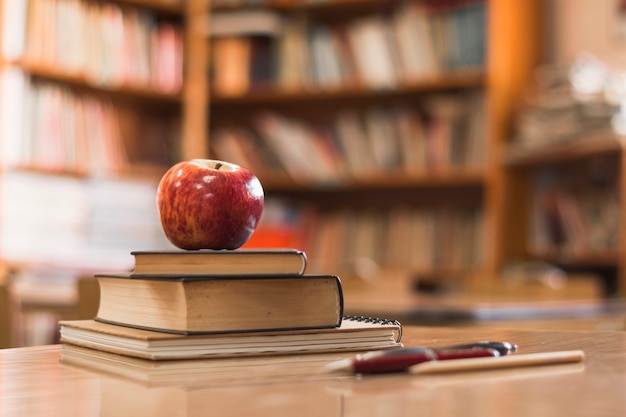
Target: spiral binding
[[376, 320]]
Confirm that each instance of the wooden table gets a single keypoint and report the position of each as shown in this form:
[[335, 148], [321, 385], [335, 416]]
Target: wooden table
[[38, 382]]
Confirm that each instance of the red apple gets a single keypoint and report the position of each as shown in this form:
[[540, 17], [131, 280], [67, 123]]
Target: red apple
[[209, 204]]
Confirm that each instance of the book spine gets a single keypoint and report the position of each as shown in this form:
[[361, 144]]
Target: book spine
[[572, 215], [101, 42], [377, 52], [61, 131], [421, 240], [446, 136]]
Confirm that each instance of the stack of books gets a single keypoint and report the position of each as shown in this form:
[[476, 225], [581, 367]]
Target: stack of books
[[191, 304]]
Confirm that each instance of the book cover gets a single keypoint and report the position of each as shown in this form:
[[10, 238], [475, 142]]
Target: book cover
[[354, 334], [204, 304]]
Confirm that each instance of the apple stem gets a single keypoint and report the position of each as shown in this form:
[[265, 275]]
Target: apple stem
[[218, 165]]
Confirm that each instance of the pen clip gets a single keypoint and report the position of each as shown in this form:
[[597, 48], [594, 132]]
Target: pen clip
[[503, 348]]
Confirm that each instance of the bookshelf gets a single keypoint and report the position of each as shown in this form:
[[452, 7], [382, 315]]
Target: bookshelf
[[321, 91], [572, 195], [564, 166], [197, 111]]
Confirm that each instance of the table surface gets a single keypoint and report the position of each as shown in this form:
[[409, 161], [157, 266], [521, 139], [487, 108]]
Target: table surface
[[41, 381]]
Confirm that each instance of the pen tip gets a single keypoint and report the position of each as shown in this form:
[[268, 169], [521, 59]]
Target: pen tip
[[341, 365]]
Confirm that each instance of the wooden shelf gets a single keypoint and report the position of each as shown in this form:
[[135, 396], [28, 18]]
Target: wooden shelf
[[79, 80], [348, 6], [566, 151], [443, 82], [452, 179], [172, 8], [593, 259]]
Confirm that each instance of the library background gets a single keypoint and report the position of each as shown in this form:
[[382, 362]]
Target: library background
[[408, 146]]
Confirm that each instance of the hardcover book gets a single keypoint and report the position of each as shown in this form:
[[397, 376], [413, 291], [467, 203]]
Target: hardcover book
[[202, 304], [272, 262]]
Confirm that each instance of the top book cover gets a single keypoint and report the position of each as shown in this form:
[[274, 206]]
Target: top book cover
[[253, 262]]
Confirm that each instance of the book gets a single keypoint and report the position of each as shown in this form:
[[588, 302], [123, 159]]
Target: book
[[413, 35], [262, 66], [295, 64], [352, 140], [244, 147], [259, 262], [167, 55], [324, 54], [14, 21], [203, 304], [243, 44], [375, 53], [354, 334], [231, 65]]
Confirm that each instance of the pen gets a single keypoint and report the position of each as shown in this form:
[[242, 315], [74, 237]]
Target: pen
[[398, 360], [503, 348]]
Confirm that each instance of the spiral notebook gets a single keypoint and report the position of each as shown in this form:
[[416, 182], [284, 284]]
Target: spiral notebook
[[354, 334]]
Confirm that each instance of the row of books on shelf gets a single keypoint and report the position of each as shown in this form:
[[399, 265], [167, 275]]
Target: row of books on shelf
[[376, 51], [418, 240], [218, 309], [446, 135], [75, 223], [101, 41], [574, 221], [50, 127], [561, 106]]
